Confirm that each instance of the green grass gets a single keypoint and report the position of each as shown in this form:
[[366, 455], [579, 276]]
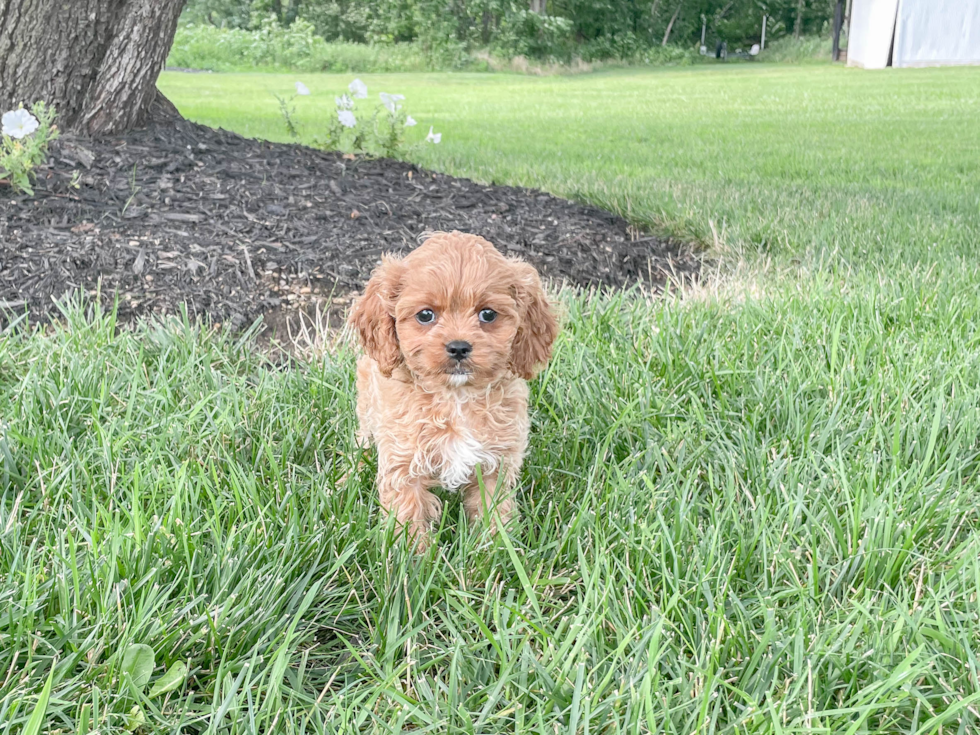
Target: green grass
[[873, 166], [756, 516], [740, 517], [750, 508]]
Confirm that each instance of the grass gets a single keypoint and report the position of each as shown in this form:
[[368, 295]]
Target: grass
[[749, 508], [741, 516], [784, 161]]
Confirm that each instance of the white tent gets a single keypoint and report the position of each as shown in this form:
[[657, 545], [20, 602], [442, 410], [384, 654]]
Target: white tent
[[913, 33]]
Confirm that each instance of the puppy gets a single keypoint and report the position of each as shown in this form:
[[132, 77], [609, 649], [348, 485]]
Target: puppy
[[451, 333]]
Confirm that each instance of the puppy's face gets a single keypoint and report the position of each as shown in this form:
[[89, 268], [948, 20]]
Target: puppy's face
[[456, 312], [457, 317]]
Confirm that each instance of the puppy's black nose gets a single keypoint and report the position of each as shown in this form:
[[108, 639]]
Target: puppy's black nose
[[458, 349]]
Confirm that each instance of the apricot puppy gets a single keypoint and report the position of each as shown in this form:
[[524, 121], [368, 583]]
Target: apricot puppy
[[451, 333]]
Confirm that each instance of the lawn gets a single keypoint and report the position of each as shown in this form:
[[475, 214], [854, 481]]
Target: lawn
[[783, 159], [749, 508]]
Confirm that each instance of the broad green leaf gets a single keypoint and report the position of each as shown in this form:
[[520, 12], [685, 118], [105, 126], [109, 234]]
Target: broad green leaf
[[171, 680], [138, 663]]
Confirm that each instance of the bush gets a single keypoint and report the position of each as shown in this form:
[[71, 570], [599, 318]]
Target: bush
[[628, 48], [809, 49], [295, 48], [539, 37], [523, 40], [622, 46]]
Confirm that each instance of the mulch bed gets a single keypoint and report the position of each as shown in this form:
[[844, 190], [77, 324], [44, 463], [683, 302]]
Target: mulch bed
[[237, 228]]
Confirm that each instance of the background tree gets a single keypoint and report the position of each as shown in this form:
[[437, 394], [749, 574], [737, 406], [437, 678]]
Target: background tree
[[96, 61], [798, 22], [555, 28]]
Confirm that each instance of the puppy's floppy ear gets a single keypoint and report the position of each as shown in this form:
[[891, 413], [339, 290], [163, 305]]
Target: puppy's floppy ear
[[373, 315], [539, 324]]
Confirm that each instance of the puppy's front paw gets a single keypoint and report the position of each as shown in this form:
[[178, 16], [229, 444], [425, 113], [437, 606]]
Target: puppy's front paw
[[503, 516], [420, 539], [415, 508], [489, 503]]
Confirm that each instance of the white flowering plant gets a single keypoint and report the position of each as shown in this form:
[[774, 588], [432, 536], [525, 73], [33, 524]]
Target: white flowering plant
[[24, 138], [379, 131], [288, 110]]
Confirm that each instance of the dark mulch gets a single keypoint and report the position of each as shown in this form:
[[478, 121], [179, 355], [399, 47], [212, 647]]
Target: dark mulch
[[237, 228]]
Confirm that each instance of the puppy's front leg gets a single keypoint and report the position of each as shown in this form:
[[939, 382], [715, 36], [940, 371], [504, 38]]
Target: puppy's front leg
[[409, 499], [494, 499]]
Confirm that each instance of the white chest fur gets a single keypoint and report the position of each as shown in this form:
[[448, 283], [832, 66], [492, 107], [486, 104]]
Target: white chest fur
[[460, 456]]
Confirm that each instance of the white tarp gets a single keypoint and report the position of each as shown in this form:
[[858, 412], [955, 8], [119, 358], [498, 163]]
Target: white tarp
[[870, 35], [937, 32], [925, 33]]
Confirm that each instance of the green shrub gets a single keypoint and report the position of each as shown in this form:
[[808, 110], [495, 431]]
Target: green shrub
[[629, 48], [295, 48], [809, 49], [341, 56], [540, 37], [522, 36]]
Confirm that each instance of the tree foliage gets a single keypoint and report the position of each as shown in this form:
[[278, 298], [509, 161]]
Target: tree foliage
[[597, 28]]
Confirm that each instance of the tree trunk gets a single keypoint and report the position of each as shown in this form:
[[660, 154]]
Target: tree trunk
[[670, 25], [96, 61], [539, 6], [276, 10], [798, 24], [838, 25]]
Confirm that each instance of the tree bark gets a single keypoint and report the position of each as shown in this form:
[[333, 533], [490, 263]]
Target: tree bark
[[670, 25], [838, 25], [96, 61]]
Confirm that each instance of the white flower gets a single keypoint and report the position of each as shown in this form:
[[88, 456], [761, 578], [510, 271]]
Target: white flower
[[389, 100], [433, 137], [344, 102], [358, 89], [410, 121], [18, 123], [346, 118], [302, 89]]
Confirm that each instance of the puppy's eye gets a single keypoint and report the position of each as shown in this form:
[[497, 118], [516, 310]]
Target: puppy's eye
[[487, 315], [426, 316]]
